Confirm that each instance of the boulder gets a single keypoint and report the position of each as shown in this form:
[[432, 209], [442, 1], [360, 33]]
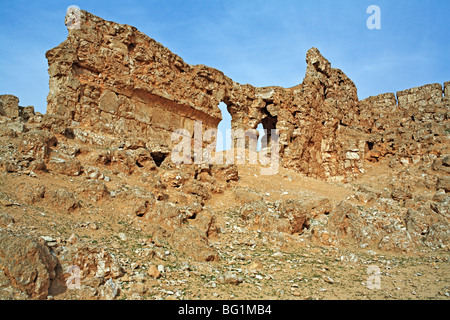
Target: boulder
[[62, 198], [94, 262], [443, 183], [36, 144], [66, 165], [225, 172], [28, 263], [192, 242]]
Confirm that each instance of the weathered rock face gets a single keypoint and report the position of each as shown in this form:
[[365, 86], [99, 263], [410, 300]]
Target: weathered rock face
[[116, 84], [115, 80], [447, 90], [119, 81], [315, 143], [27, 263], [9, 106], [412, 126], [101, 153]]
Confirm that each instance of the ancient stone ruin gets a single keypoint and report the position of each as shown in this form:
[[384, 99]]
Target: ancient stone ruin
[[91, 183], [113, 79]]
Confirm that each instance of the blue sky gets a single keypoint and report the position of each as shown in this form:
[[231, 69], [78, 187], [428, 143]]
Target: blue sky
[[258, 42]]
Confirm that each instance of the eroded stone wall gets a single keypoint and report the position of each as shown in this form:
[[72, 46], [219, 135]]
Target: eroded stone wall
[[410, 126], [116, 80], [115, 83], [9, 107]]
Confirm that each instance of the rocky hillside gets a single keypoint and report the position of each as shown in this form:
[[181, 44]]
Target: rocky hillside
[[92, 206]]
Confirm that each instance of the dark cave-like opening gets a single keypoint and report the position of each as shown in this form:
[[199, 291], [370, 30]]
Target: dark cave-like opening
[[158, 157], [269, 123]]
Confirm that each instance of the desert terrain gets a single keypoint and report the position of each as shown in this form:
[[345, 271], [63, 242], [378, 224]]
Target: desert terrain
[[92, 207]]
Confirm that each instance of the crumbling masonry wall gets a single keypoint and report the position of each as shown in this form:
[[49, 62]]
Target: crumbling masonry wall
[[114, 84], [410, 126]]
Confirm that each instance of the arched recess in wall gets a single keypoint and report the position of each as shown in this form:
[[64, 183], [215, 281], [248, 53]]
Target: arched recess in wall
[[224, 129], [268, 123]]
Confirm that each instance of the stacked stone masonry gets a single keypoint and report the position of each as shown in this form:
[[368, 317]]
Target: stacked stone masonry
[[412, 125], [9, 107], [112, 83]]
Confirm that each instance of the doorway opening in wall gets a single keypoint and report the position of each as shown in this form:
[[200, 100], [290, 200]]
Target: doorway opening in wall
[[224, 130], [261, 136], [268, 123]]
